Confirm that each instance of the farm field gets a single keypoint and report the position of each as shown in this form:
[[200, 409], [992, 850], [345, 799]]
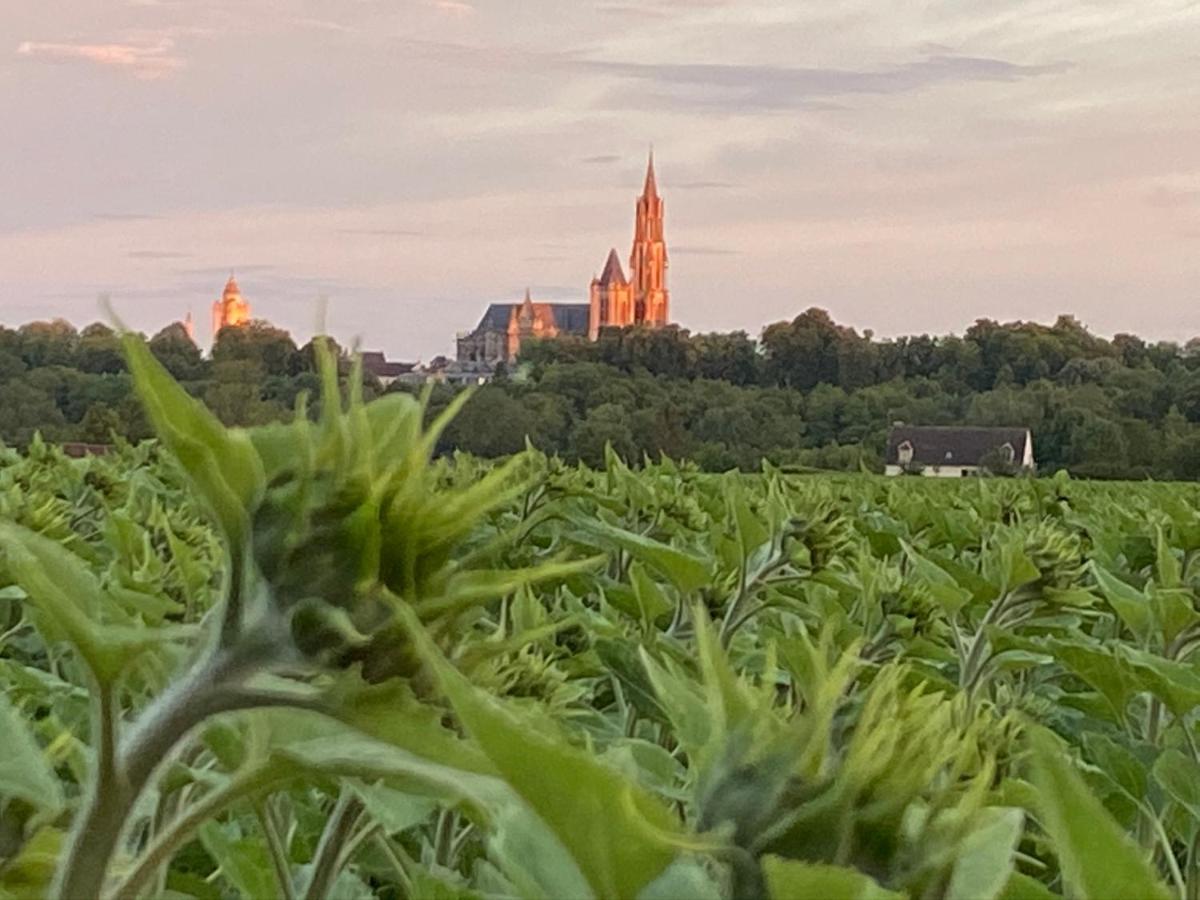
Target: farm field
[[311, 661]]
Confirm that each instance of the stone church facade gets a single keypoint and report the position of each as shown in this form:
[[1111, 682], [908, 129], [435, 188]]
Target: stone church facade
[[504, 326], [614, 301]]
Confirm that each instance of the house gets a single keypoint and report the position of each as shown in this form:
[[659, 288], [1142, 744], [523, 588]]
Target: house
[[954, 452], [78, 450], [375, 363]]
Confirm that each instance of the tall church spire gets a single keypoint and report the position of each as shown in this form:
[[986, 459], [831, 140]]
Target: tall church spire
[[648, 260], [643, 298], [651, 187]]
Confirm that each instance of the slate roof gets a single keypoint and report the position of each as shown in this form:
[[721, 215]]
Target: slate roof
[[570, 318], [378, 365], [954, 446]]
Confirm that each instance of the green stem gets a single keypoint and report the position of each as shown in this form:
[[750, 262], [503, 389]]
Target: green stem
[[1193, 868], [1172, 862], [275, 844], [1153, 721], [184, 826], [329, 850], [443, 837], [399, 860], [733, 618], [124, 767], [108, 804]]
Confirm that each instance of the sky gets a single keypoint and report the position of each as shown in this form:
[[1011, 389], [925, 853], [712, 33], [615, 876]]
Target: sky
[[909, 166]]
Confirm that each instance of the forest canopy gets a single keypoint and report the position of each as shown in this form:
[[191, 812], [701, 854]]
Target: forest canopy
[[809, 392]]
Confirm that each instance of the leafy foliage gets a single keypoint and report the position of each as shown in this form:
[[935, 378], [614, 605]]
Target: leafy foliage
[[313, 659]]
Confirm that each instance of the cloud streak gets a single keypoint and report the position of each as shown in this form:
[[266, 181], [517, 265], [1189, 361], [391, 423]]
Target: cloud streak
[[145, 61], [688, 250], [457, 8], [758, 88], [157, 254]]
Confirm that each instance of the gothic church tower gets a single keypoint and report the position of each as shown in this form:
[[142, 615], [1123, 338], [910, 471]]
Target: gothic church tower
[[648, 261], [643, 299]]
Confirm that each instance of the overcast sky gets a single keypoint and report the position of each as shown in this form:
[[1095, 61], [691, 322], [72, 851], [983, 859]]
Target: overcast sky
[[908, 166]]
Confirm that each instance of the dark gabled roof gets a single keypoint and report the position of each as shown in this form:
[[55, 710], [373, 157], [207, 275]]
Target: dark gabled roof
[[77, 450], [496, 318], [572, 318], [375, 363], [569, 318], [612, 274], [953, 446]]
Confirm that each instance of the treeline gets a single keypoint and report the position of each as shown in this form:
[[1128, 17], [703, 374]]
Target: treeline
[[72, 385], [808, 393], [815, 393]]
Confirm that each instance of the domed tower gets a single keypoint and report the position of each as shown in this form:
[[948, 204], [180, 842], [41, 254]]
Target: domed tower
[[231, 310]]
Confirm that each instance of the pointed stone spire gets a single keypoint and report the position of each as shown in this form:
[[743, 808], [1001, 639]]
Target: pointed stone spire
[[651, 188], [612, 274]]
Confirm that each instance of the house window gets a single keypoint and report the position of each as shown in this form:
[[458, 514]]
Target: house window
[[966, 473], [905, 453]]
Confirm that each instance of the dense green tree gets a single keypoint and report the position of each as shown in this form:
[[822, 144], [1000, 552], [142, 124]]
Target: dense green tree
[[259, 343], [177, 352], [804, 352], [26, 410], [235, 394], [99, 351], [48, 344], [99, 424], [606, 424], [493, 423], [729, 357]]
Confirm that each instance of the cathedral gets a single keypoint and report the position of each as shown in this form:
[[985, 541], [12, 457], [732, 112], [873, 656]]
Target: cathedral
[[643, 299], [231, 310], [613, 300]]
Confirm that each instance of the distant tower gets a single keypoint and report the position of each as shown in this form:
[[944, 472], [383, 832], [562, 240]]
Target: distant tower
[[190, 327], [643, 299], [231, 310], [521, 325], [648, 261], [610, 299]]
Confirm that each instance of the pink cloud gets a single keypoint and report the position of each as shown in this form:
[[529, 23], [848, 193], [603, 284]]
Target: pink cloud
[[147, 61], [453, 7]]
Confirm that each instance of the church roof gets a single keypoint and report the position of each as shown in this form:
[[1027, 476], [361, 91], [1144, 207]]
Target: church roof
[[612, 273], [572, 318], [496, 318], [377, 364], [569, 318], [231, 287]]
